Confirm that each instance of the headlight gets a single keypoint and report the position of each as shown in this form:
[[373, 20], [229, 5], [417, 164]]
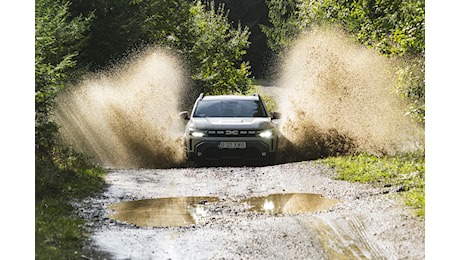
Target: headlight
[[266, 133], [195, 133]]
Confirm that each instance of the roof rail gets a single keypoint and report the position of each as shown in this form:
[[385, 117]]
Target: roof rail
[[201, 96], [257, 95]]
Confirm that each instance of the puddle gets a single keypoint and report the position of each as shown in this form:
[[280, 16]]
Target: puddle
[[164, 212], [183, 211], [292, 203]]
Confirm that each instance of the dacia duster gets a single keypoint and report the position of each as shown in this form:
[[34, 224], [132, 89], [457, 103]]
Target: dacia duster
[[230, 127]]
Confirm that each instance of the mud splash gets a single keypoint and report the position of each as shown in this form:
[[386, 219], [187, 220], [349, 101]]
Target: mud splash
[[126, 117], [339, 99]]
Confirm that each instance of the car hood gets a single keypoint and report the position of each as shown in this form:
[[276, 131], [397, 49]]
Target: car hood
[[230, 123]]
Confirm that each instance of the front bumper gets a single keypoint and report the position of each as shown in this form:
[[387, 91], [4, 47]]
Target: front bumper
[[208, 148]]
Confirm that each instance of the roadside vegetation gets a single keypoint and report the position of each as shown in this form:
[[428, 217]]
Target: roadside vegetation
[[67, 177], [403, 173], [61, 175]]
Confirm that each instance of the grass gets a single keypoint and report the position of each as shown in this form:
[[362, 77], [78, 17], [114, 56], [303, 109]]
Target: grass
[[405, 171], [59, 231]]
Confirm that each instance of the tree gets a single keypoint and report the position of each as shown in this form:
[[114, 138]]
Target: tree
[[57, 42], [252, 14], [391, 27], [120, 27], [201, 33], [215, 51], [282, 15]]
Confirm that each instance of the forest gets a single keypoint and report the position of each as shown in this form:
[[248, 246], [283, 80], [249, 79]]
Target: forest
[[77, 37]]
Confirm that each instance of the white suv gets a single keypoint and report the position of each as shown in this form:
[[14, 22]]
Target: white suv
[[230, 127]]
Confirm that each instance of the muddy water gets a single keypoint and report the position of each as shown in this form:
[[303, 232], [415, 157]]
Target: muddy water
[[164, 212], [126, 117], [183, 211], [293, 203], [338, 97]]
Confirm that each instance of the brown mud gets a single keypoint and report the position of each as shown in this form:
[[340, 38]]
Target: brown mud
[[126, 117], [339, 99]]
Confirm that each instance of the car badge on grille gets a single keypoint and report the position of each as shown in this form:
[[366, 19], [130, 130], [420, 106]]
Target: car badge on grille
[[231, 132]]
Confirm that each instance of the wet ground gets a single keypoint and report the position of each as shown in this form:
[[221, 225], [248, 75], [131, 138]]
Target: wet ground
[[287, 211], [184, 211]]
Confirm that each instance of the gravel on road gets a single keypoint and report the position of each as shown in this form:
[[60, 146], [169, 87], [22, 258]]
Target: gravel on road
[[368, 223]]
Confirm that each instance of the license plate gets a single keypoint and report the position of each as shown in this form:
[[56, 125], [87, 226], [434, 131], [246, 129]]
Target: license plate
[[232, 145]]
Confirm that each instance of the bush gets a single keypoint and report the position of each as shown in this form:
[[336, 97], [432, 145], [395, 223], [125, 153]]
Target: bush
[[216, 50], [405, 171], [67, 176]]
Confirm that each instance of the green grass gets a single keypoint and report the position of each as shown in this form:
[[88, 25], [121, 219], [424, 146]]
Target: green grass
[[59, 231], [405, 171]]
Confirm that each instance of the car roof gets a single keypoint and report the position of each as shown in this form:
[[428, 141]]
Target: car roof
[[230, 97]]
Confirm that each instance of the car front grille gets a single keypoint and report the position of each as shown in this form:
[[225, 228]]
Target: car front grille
[[231, 133]]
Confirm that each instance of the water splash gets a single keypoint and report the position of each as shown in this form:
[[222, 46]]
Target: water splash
[[339, 99], [127, 117]]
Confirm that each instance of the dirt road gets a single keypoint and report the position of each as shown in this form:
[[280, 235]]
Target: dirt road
[[360, 222]]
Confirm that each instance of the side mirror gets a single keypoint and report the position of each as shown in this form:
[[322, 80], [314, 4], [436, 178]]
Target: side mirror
[[184, 115], [276, 115]]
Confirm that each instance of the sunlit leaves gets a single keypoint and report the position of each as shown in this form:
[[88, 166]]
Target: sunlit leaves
[[411, 86], [391, 27], [58, 39], [216, 49], [282, 16]]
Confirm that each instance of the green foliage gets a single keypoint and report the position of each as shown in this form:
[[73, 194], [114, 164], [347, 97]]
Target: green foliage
[[411, 86], [215, 50], [57, 41], [252, 14], [282, 16], [406, 171], [120, 27], [68, 175], [391, 27], [56, 230], [60, 175], [201, 33]]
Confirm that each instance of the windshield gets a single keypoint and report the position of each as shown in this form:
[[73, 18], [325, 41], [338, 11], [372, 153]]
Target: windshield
[[230, 108]]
